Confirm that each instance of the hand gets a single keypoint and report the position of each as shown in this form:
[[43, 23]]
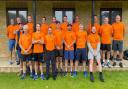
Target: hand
[[58, 47], [68, 46]]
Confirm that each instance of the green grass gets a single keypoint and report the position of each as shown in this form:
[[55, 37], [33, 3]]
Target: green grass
[[113, 80]]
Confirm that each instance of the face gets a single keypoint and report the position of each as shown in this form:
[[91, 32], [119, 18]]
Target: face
[[95, 19], [58, 25], [29, 19], [81, 27], [12, 22], [118, 18], [53, 19], [65, 19], [25, 28], [18, 20], [37, 27], [69, 28], [49, 31], [77, 19], [93, 30], [43, 20], [106, 20]]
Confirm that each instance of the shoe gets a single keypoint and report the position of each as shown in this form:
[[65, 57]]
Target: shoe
[[17, 63], [114, 64], [85, 73], [103, 64], [109, 65], [61, 72], [71, 74], [74, 73], [23, 76], [10, 62], [101, 77], [35, 77], [47, 77], [54, 77], [65, 74], [42, 77], [121, 65], [91, 78], [31, 75]]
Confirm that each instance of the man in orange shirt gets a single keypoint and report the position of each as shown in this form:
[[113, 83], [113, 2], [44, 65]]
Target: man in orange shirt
[[44, 26], [106, 35], [64, 24], [50, 54], [93, 43], [25, 43], [96, 24], [81, 52], [59, 47], [69, 40], [53, 24], [118, 36], [11, 36], [75, 25], [30, 25], [38, 41]]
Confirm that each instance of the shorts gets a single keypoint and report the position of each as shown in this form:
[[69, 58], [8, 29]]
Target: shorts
[[26, 57], [59, 53], [38, 57], [69, 54], [11, 44], [106, 47], [117, 45], [81, 53], [91, 56]]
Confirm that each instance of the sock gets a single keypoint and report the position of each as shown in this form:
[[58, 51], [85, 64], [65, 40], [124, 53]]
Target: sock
[[35, 73]]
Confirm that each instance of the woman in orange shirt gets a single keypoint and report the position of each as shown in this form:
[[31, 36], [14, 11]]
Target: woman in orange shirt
[[25, 43], [93, 43], [38, 41]]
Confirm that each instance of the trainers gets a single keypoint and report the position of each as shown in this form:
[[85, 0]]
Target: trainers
[[109, 64], [42, 76], [103, 64], [61, 72], [65, 74], [114, 64], [23, 76], [10, 62], [35, 76], [101, 77], [71, 74], [121, 65], [91, 78], [85, 73], [74, 74], [31, 75]]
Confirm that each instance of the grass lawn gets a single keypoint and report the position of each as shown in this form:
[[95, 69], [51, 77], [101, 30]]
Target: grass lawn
[[113, 80]]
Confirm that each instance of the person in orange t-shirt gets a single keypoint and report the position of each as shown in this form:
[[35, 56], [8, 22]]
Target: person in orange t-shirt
[[93, 43], [38, 41], [96, 24], [25, 43], [64, 25], [75, 25], [106, 36], [53, 24], [118, 36], [81, 52], [59, 47], [11, 36], [30, 25], [44, 26], [50, 54], [69, 40]]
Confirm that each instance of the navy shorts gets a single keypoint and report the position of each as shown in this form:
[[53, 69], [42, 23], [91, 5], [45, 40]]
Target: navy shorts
[[69, 54], [38, 57], [117, 45], [11, 44], [26, 57], [105, 47], [59, 53], [81, 53]]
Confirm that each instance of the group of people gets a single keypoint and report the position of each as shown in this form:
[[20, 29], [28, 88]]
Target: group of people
[[52, 43]]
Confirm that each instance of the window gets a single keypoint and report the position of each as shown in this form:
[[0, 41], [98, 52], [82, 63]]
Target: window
[[60, 13], [111, 13], [13, 13]]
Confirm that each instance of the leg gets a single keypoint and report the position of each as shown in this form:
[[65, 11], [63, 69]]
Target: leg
[[47, 65], [53, 61]]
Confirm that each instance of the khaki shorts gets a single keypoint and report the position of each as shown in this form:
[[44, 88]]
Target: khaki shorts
[[91, 56]]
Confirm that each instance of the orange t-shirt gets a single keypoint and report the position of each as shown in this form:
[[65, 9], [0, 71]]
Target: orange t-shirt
[[97, 26], [30, 28], [44, 28], [10, 32], [69, 37], [38, 48], [53, 26], [93, 39], [17, 27], [58, 38], [63, 27], [106, 33], [118, 31], [50, 42], [81, 38], [25, 41], [75, 26]]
